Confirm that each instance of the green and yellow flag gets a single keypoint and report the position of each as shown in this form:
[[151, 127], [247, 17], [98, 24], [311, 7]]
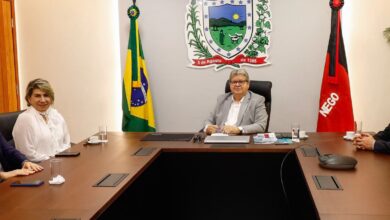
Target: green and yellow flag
[[137, 103]]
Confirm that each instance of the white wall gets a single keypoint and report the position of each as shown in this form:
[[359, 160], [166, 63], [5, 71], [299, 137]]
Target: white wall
[[368, 60], [183, 97], [74, 44]]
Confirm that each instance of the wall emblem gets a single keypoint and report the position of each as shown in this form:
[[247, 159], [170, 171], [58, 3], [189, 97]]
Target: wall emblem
[[228, 33]]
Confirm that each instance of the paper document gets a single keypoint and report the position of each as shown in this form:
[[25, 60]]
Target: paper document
[[219, 134], [270, 138], [266, 138]]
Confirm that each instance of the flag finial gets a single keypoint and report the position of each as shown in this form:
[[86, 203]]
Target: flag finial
[[133, 12], [336, 4]]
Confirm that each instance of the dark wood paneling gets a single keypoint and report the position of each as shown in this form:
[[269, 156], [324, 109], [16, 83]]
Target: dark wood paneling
[[9, 96]]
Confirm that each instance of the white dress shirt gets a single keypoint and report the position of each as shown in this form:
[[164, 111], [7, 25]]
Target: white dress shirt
[[233, 112], [38, 139]]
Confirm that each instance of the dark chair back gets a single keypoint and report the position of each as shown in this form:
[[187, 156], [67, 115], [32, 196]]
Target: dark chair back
[[262, 88], [7, 122]]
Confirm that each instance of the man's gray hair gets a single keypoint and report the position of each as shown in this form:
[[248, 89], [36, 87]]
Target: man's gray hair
[[241, 72]]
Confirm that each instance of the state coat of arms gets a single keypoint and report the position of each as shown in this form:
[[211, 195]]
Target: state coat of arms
[[228, 33]]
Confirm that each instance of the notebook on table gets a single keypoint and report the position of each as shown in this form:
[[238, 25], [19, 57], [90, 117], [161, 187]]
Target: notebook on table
[[168, 137], [242, 139]]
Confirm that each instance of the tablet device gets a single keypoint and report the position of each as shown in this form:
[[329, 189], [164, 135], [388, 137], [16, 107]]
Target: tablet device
[[27, 183], [68, 154]]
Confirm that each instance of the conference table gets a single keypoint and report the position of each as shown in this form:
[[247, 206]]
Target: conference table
[[193, 180]]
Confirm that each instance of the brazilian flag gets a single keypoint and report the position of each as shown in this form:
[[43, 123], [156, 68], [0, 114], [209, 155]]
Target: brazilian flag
[[137, 103]]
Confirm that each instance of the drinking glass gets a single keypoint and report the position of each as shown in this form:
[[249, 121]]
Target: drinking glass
[[103, 133], [358, 127], [295, 131], [55, 168]]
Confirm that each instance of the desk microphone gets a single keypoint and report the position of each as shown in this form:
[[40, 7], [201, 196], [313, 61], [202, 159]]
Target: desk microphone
[[197, 138], [339, 162]]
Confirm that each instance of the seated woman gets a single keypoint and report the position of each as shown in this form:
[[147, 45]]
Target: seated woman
[[40, 132], [13, 163]]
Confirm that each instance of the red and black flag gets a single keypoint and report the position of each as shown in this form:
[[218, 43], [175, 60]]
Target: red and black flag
[[335, 107]]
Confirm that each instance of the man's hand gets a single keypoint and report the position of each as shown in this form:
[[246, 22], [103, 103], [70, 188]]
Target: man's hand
[[211, 129], [229, 129], [364, 141]]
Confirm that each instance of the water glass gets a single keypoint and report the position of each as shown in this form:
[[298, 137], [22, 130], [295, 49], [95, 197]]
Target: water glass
[[55, 167], [103, 133], [295, 131], [358, 127]]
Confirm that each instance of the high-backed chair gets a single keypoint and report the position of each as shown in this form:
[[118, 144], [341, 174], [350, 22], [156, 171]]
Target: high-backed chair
[[7, 122], [262, 88]]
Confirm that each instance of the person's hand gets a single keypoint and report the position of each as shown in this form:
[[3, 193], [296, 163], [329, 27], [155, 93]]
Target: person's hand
[[230, 129], [32, 166], [211, 129], [355, 139], [18, 172], [364, 141], [23, 172]]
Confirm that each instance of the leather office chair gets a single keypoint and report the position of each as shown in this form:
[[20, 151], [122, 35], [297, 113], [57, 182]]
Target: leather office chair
[[7, 122], [262, 88]]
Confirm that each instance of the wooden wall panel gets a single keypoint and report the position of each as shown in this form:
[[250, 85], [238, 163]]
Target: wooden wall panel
[[2, 60], [9, 96]]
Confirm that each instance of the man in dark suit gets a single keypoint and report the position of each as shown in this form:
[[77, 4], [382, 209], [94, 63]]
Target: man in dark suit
[[13, 163], [380, 142], [240, 111]]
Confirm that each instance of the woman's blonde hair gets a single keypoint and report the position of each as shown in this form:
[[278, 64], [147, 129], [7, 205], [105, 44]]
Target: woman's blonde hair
[[41, 84]]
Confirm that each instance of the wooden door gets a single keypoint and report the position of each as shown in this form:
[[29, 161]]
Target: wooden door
[[9, 91]]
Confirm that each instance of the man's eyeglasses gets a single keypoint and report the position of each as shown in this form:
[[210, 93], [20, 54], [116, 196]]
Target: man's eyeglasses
[[239, 82]]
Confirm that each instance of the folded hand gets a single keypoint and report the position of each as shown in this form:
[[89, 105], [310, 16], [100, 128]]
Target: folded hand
[[211, 129], [230, 129], [364, 141]]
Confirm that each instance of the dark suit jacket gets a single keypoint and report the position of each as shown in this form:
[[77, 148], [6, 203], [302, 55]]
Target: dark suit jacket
[[10, 158], [382, 141]]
